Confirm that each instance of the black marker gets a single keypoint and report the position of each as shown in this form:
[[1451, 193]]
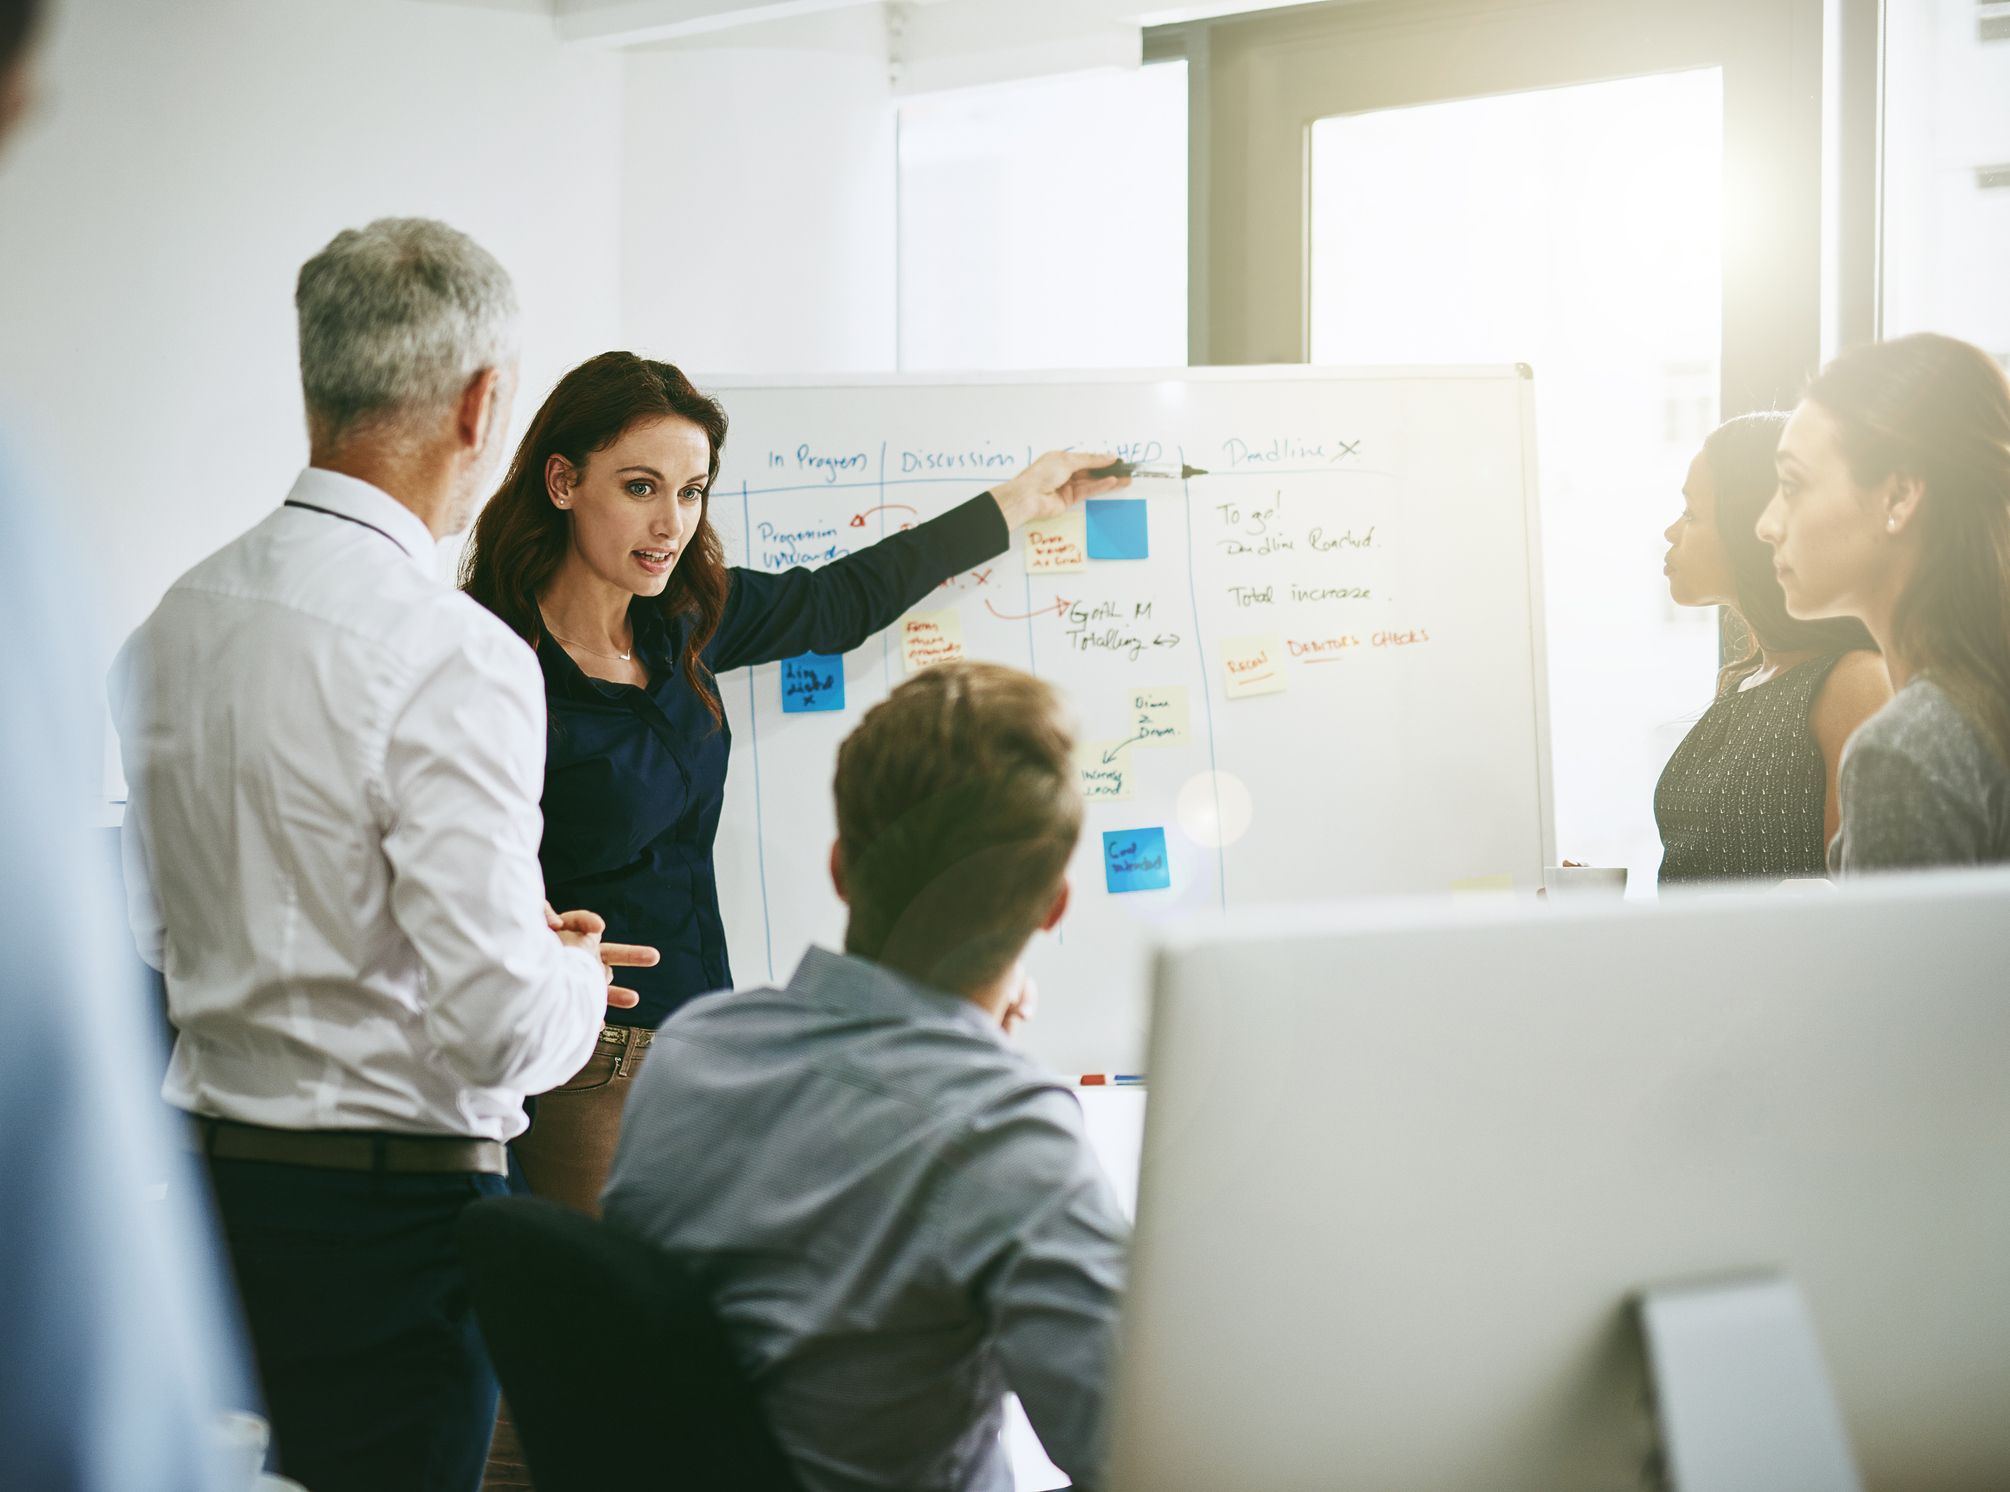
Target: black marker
[[1140, 470]]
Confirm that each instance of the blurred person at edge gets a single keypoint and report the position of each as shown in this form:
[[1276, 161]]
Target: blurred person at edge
[[120, 1348]]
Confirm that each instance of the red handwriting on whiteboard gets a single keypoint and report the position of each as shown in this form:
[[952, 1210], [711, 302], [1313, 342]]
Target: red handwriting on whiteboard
[[1322, 649]]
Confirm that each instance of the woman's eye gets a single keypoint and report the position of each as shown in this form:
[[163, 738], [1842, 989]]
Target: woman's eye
[[693, 494], [640, 488]]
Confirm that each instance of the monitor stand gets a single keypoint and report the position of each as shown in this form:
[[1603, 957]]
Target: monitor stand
[[1741, 1399]]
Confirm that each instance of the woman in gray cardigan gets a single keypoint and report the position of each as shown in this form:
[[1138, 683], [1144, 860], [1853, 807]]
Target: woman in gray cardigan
[[1894, 507]]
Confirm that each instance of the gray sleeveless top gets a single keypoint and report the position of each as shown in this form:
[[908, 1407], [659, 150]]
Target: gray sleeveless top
[[1742, 797]]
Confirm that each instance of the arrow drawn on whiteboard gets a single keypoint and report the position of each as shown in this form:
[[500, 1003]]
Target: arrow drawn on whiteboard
[[858, 519], [1059, 607]]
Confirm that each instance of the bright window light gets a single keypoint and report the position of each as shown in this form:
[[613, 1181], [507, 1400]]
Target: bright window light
[[1044, 224], [1578, 230], [1947, 170]]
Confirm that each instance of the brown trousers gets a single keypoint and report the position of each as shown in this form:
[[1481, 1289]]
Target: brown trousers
[[566, 1156]]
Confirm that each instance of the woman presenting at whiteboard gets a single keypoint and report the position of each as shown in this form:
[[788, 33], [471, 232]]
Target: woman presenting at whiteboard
[[600, 551]]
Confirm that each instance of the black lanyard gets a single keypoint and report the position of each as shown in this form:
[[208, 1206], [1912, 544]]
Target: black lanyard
[[360, 523]]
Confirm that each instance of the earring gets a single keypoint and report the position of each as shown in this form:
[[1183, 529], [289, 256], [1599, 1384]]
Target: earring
[[1891, 525]]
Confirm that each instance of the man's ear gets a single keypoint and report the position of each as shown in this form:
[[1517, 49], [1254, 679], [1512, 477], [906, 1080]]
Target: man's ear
[[837, 871], [480, 408], [1058, 910]]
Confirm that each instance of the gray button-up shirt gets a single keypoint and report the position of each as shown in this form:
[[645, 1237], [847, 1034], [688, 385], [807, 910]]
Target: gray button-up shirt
[[899, 1218]]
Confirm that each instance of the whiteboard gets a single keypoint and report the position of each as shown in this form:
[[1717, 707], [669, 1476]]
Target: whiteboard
[[1347, 607]]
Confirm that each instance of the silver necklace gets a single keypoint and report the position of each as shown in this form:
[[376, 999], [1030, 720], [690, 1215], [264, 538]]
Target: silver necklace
[[624, 657]]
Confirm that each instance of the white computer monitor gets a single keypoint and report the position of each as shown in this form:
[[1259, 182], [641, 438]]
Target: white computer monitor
[[1405, 1167]]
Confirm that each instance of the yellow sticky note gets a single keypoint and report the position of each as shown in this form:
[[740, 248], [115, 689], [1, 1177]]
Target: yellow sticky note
[[1057, 544], [1158, 717], [1106, 769], [930, 637], [1253, 665]]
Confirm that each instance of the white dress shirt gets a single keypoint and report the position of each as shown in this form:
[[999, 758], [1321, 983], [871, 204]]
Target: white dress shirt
[[334, 762]]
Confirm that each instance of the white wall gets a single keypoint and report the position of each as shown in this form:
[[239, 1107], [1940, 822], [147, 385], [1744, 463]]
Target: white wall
[[189, 157], [759, 177]]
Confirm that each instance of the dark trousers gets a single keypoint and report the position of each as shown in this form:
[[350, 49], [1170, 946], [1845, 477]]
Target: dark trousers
[[374, 1373]]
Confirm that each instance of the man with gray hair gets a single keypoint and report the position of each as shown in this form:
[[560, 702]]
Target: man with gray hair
[[334, 763]]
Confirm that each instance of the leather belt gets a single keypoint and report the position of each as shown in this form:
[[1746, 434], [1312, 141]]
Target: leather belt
[[347, 1150]]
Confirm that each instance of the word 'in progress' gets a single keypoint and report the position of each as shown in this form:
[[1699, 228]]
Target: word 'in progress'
[[1253, 665], [1117, 529], [1054, 545], [1105, 768], [1159, 716], [812, 682], [1135, 860], [827, 465], [930, 637]]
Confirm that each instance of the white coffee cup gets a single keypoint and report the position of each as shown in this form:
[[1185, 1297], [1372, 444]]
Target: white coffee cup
[[1584, 880], [239, 1440]]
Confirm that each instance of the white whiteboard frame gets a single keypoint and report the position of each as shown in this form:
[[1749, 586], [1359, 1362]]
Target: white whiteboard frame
[[1538, 640]]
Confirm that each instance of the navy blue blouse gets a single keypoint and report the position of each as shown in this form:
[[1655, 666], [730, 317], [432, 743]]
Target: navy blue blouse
[[634, 778]]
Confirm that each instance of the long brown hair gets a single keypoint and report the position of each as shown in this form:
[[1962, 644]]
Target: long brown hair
[[1937, 410], [1740, 454], [521, 536]]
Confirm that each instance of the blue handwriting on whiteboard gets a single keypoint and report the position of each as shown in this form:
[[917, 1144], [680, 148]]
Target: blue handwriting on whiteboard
[[1280, 449], [982, 459], [782, 548], [828, 464]]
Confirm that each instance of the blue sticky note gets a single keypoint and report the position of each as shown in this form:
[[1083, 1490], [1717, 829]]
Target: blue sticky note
[[812, 682], [1117, 528], [1135, 860]]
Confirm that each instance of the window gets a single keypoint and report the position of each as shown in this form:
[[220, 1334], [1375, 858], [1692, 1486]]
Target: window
[[1577, 229], [1044, 224], [1947, 170]]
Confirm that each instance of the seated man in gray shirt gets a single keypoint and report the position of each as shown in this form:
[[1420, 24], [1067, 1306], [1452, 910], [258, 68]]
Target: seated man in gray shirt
[[896, 1213]]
